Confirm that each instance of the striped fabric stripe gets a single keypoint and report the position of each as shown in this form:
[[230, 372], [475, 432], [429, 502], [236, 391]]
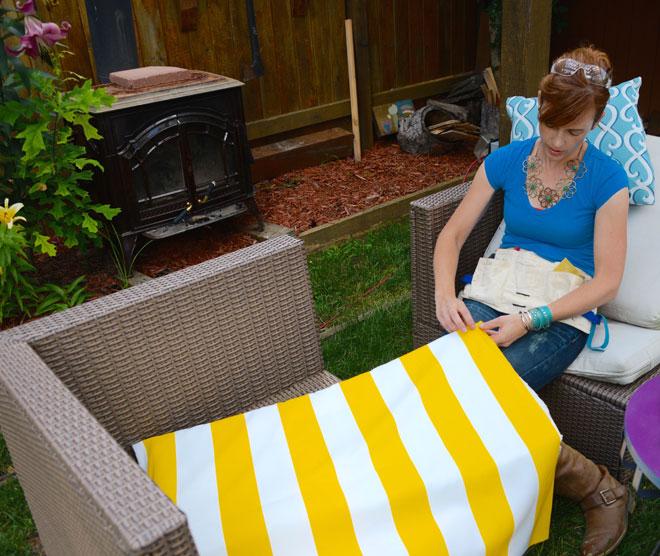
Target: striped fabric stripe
[[282, 503], [446, 491], [442, 451], [405, 488], [527, 415], [491, 512], [197, 490], [324, 499], [161, 463], [365, 495], [245, 530]]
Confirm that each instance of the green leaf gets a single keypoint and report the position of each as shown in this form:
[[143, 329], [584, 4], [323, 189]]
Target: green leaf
[[106, 210], [82, 162], [71, 241], [57, 210], [34, 141], [43, 244], [64, 135], [90, 224], [39, 186], [11, 111]]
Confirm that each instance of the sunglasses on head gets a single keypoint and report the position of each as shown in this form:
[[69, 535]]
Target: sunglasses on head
[[593, 73]]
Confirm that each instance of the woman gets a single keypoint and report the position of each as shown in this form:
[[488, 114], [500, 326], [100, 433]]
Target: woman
[[563, 199]]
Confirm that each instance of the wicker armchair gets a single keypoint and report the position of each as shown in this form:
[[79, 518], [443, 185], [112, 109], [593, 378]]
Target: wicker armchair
[[77, 388], [588, 413]]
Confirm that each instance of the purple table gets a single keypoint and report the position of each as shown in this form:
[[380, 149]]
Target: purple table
[[642, 431]]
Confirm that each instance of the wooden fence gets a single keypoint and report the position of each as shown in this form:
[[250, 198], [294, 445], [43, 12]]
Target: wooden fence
[[629, 34], [416, 48]]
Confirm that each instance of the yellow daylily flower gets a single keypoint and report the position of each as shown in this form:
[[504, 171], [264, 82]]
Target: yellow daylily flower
[[8, 213]]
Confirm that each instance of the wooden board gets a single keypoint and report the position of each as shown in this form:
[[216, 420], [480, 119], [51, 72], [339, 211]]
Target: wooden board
[[149, 31], [274, 159], [355, 118], [525, 52]]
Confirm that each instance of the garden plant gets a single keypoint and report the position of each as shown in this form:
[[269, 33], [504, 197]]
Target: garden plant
[[45, 115]]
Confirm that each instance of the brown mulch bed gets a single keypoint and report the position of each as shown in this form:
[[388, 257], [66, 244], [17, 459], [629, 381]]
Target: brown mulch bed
[[199, 245], [300, 200], [307, 198]]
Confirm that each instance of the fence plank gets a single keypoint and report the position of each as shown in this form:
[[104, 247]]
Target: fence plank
[[337, 39], [402, 58], [308, 79], [445, 38], [431, 33], [202, 42], [176, 45], [149, 31], [295, 120], [375, 44], [271, 93], [387, 37], [240, 53], [287, 62], [321, 49], [416, 45]]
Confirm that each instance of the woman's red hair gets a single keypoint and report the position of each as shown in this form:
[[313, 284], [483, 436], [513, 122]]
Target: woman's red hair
[[566, 97]]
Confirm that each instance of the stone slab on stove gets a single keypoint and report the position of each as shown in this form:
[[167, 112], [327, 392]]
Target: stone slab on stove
[[198, 82], [149, 76]]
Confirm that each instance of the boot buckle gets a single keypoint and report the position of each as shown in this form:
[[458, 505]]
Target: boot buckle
[[608, 496]]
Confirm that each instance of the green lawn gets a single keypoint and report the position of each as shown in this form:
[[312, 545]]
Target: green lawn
[[370, 275]]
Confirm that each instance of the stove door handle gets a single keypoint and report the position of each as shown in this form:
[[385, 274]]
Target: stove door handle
[[184, 215]]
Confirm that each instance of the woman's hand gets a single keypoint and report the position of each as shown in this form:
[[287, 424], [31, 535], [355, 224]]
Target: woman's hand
[[452, 313], [505, 330]]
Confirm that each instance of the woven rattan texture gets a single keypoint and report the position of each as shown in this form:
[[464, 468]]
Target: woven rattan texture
[[427, 217], [310, 384], [191, 347], [85, 494], [579, 406], [590, 415]]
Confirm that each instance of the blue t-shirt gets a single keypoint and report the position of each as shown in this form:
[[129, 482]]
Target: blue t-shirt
[[565, 230]]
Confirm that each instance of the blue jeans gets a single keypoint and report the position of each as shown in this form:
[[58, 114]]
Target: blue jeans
[[538, 357]]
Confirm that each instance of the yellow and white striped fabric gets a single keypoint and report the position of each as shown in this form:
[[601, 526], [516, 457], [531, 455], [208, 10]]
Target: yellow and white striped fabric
[[442, 451]]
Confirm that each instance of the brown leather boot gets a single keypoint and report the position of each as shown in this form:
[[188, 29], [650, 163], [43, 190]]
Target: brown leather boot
[[603, 499]]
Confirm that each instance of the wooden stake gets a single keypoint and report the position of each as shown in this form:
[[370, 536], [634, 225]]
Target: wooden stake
[[352, 85]]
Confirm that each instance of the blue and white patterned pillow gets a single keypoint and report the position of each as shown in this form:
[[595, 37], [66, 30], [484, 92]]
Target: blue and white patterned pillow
[[619, 134]]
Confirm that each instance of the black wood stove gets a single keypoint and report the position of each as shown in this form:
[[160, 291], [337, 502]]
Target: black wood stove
[[176, 156]]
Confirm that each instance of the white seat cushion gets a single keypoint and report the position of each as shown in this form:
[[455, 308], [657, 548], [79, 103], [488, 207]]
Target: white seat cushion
[[632, 352], [638, 299]]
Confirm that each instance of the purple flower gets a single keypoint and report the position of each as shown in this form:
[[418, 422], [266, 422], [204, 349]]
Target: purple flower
[[51, 32], [26, 7], [39, 34]]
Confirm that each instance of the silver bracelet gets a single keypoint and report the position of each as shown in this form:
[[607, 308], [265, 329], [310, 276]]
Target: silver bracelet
[[526, 319]]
